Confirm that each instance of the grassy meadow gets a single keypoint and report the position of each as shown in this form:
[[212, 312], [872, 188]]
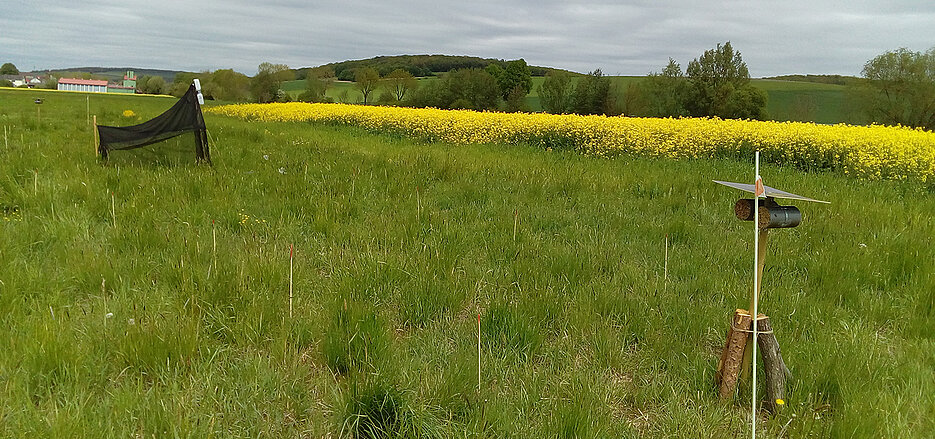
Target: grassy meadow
[[150, 297]]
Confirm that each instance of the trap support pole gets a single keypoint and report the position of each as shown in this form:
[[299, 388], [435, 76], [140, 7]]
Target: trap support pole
[[734, 364]]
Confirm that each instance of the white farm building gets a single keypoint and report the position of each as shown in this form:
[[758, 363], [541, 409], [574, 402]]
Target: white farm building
[[88, 85]]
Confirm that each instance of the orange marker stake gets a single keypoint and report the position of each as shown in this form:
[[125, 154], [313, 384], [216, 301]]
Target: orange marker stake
[[291, 252]]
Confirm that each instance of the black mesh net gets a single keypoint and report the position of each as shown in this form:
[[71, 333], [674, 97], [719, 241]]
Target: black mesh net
[[184, 117]]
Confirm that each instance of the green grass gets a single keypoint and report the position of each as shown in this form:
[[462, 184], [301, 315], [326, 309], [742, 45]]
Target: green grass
[[808, 102], [399, 246]]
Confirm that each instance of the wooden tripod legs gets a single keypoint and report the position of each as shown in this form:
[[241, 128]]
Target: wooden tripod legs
[[731, 362]]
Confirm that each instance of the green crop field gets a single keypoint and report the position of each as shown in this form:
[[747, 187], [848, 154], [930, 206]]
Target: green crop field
[[787, 100], [807, 101], [152, 298]]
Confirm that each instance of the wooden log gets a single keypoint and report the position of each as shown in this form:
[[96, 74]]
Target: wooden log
[[732, 357], [775, 368]]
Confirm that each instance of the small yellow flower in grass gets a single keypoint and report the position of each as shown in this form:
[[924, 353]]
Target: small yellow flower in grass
[[780, 402], [128, 113]]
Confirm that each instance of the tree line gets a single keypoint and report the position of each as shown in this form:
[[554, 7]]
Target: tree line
[[896, 87]]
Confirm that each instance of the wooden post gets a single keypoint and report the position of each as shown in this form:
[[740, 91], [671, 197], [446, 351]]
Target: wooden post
[[760, 263], [732, 357], [774, 366], [515, 222], [95, 140]]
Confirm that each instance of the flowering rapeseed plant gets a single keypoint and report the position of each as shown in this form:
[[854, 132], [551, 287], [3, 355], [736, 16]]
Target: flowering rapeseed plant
[[872, 152]]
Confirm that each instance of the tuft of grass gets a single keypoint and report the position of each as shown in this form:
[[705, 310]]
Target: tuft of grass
[[356, 340], [375, 410]]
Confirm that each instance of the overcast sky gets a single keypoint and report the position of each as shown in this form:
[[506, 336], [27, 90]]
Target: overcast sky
[[621, 38]]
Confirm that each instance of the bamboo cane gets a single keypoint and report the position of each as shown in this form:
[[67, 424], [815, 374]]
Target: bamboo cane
[[478, 353], [95, 141], [291, 252]]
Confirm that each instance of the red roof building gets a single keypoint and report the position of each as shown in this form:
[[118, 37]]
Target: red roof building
[[88, 85]]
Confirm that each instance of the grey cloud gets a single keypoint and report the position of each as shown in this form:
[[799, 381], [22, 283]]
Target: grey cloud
[[631, 38]]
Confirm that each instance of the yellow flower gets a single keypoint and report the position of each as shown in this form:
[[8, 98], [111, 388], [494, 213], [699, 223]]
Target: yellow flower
[[780, 402], [129, 113], [870, 152]]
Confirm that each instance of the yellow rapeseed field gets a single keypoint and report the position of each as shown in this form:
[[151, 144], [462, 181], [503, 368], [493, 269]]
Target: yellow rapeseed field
[[872, 152]]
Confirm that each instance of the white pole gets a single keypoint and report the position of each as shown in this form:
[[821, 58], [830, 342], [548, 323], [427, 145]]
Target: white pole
[[665, 267], [478, 354], [291, 251], [756, 251]]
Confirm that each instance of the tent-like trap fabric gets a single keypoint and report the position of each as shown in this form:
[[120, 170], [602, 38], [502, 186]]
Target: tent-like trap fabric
[[185, 116]]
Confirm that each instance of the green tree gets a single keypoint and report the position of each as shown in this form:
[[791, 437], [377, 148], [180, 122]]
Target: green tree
[[594, 95], [316, 89], [516, 100], [8, 69], [634, 101], [6, 83], [265, 86], [515, 73], [433, 94], [152, 85], [473, 89], [719, 85], [399, 82], [899, 88], [366, 81], [556, 91], [228, 85], [666, 92]]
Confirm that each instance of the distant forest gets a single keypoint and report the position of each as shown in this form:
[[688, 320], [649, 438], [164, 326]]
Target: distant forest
[[417, 65]]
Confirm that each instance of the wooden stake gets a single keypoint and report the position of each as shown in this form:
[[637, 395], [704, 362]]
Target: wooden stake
[[774, 366], [733, 355], [418, 205], [478, 353], [113, 208], [35, 182], [94, 140], [760, 263], [89, 107], [515, 223], [291, 252], [214, 239]]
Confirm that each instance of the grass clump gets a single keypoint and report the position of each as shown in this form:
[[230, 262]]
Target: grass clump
[[375, 410], [356, 341]]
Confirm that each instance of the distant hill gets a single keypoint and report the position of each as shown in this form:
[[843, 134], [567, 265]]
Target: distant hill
[[115, 73], [418, 65]]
